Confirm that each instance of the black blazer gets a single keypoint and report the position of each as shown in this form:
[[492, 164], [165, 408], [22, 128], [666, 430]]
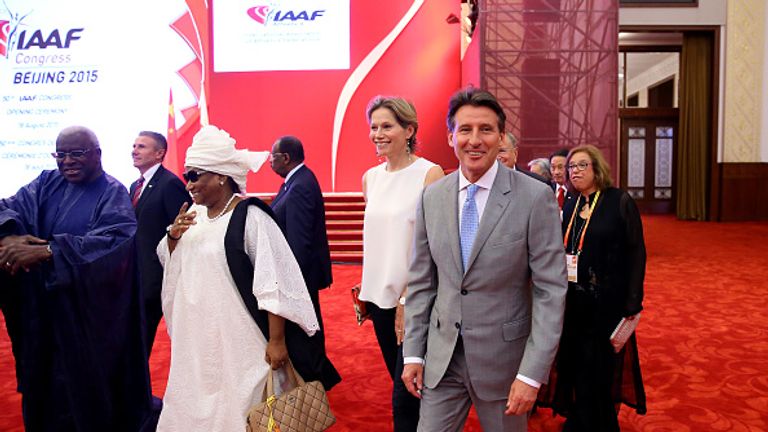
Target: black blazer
[[159, 204], [300, 213]]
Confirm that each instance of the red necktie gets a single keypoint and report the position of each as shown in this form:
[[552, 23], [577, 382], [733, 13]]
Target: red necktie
[[560, 197], [137, 191]]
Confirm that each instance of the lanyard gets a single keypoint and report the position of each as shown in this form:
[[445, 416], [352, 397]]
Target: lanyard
[[586, 224]]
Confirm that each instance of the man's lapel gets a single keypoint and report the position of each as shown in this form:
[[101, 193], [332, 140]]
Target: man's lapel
[[287, 185], [451, 218], [149, 187], [280, 194], [498, 200]]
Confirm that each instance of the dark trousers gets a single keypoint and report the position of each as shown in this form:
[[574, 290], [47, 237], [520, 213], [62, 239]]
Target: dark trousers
[[405, 407], [589, 364], [153, 312], [314, 295]]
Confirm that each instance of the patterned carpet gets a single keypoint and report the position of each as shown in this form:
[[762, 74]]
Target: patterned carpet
[[703, 340]]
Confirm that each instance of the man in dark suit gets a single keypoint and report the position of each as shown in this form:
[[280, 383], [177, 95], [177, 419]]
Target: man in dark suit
[[157, 197], [558, 183], [300, 212], [508, 156]]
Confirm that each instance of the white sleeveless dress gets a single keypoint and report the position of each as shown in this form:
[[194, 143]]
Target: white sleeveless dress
[[390, 213]]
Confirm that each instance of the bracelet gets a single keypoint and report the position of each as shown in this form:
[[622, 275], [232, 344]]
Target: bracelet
[[168, 233]]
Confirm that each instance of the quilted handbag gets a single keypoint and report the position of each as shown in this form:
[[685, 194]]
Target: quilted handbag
[[304, 408]]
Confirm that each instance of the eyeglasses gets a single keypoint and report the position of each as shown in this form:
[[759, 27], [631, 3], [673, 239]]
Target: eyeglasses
[[581, 166], [272, 155], [193, 176], [75, 154]]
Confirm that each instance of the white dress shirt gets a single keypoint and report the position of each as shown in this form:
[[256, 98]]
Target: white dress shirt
[[292, 172], [147, 177]]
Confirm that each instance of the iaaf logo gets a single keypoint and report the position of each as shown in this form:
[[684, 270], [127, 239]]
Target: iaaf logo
[[263, 14], [8, 30]]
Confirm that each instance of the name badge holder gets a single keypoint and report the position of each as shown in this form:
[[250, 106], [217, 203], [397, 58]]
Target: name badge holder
[[572, 259]]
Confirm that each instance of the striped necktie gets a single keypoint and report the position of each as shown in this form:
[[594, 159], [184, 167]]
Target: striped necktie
[[137, 191]]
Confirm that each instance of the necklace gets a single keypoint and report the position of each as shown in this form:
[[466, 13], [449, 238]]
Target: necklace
[[224, 210], [405, 165]]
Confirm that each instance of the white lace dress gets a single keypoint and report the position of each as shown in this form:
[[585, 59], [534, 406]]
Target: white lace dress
[[218, 368]]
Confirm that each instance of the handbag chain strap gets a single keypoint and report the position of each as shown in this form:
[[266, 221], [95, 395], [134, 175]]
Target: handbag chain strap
[[272, 425]]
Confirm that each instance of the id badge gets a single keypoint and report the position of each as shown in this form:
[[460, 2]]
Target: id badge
[[572, 264]]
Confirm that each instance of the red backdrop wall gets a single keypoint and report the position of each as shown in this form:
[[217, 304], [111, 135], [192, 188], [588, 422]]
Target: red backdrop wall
[[422, 64]]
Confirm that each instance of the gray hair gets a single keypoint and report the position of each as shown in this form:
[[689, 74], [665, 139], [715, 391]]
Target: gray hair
[[543, 164], [512, 140]]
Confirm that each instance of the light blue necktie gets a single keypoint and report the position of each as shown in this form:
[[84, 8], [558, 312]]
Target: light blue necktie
[[469, 224]]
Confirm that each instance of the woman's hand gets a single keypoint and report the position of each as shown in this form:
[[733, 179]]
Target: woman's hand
[[400, 323], [277, 353], [183, 221]]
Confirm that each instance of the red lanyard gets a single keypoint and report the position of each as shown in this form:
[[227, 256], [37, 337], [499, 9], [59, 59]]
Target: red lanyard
[[586, 224]]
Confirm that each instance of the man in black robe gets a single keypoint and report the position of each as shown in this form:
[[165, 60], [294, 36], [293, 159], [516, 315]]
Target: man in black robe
[[69, 295]]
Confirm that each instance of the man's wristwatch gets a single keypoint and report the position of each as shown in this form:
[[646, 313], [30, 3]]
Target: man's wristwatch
[[168, 233], [402, 301]]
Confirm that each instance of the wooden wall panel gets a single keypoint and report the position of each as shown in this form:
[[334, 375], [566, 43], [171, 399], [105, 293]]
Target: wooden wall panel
[[744, 192]]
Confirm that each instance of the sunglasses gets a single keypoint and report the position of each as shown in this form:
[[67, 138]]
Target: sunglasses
[[193, 176], [75, 154]]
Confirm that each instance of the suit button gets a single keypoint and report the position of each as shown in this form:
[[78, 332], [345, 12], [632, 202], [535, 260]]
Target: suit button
[[458, 326], [464, 292]]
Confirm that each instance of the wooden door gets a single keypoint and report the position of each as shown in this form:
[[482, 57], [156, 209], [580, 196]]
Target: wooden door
[[648, 148]]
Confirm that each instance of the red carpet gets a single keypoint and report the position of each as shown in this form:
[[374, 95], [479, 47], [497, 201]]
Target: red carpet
[[703, 340]]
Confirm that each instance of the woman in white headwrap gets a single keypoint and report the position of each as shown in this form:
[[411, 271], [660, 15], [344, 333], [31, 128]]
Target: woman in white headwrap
[[220, 356]]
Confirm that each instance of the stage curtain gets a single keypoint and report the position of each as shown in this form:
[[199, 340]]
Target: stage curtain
[[693, 158]]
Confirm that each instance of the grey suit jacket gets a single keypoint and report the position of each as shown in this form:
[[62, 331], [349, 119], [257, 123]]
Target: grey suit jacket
[[509, 303]]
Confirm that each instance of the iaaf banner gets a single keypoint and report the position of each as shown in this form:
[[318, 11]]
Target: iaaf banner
[[93, 63], [280, 35]]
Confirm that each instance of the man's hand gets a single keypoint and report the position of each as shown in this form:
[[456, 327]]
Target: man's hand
[[413, 378], [521, 398], [22, 252]]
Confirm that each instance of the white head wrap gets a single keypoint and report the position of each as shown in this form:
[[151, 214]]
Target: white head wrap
[[214, 150]]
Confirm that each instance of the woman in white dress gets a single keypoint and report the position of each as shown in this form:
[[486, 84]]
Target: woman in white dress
[[392, 190], [220, 358]]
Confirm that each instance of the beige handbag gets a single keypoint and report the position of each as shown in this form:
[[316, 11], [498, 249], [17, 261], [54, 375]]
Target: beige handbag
[[304, 408]]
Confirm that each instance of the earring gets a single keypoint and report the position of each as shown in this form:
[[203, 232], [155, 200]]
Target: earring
[[221, 183]]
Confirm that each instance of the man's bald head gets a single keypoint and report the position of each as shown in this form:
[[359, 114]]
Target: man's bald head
[[78, 155]]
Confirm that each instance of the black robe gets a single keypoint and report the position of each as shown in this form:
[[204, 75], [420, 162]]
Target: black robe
[[306, 352], [75, 320]]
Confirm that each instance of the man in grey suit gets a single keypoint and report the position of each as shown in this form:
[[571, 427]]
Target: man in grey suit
[[484, 309]]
